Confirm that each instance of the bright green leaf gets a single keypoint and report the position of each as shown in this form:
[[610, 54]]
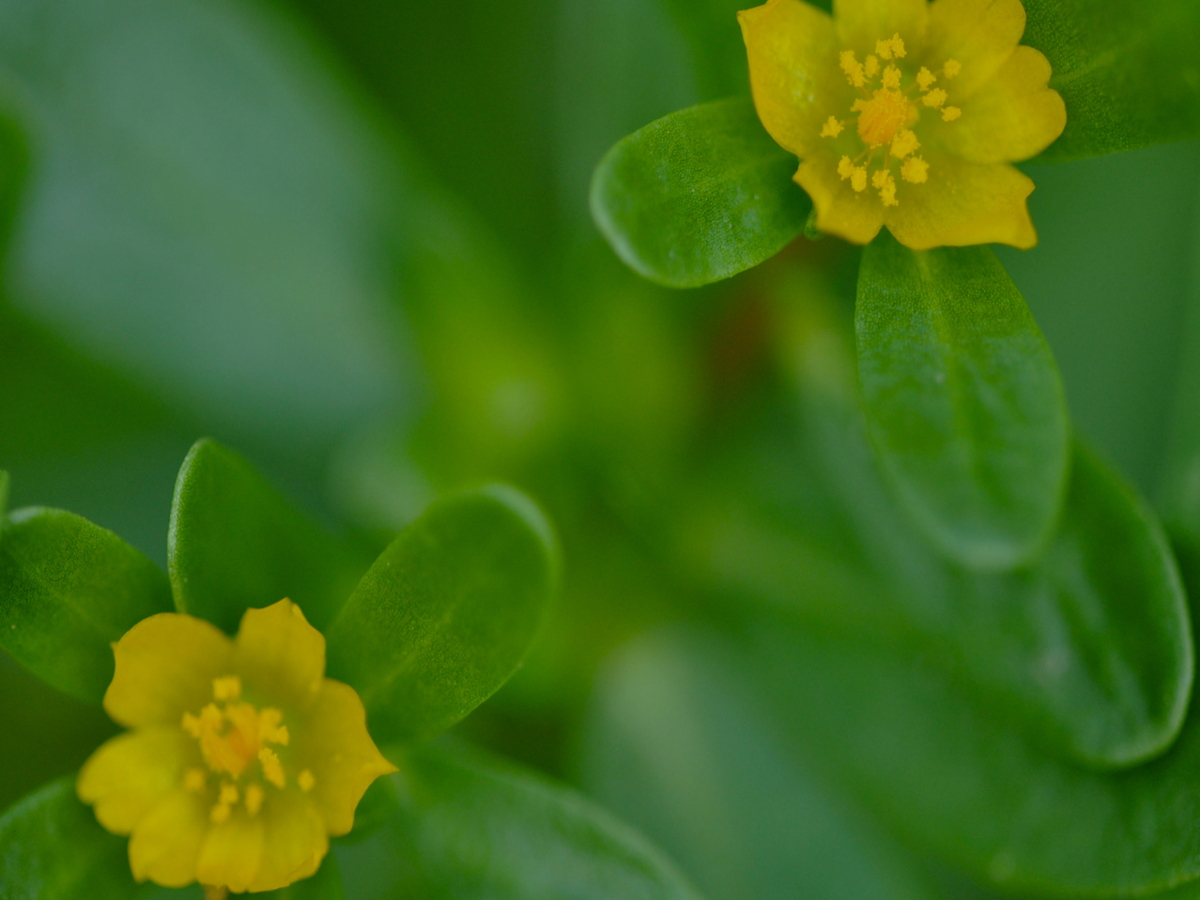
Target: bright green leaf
[[1127, 69], [679, 745], [68, 590], [52, 848], [474, 828], [446, 613], [235, 542], [1088, 648], [963, 400], [698, 196]]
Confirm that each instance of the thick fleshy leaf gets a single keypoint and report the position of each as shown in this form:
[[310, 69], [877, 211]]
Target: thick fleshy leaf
[[446, 613], [698, 196], [52, 848], [1089, 648], [1127, 69], [472, 827], [204, 188], [679, 745], [963, 400], [68, 590], [235, 542]]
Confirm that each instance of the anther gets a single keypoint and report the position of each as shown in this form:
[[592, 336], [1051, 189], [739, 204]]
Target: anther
[[952, 68], [306, 780], [934, 98]]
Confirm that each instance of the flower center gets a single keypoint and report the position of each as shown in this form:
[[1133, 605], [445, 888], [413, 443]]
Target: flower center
[[233, 735], [886, 116], [882, 116]]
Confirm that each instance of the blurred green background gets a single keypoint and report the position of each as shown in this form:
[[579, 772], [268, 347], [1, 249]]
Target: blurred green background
[[351, 239]]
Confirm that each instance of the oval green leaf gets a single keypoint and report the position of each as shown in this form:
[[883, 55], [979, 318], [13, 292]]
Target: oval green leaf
[[447, 612], [52, 848], [963, 400], [1127, 70], [474, 828], [698, 196], [68, 590], [236, 542]]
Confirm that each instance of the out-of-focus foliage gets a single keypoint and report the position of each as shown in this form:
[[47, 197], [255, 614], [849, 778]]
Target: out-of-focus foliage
[[352, 240]]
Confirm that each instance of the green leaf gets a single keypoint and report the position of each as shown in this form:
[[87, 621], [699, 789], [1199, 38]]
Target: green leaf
[[52, 848], [954, 777], [235, 542], [227, 235], [68, 590], [473, 827], [698, 196], [1127, 69], [4, 486], [446, 613], [1088, 648], [679, 745], [963, 400]]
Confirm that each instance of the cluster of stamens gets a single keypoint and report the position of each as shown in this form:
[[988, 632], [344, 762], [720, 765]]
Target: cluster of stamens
[[233, 736], [886, 115]]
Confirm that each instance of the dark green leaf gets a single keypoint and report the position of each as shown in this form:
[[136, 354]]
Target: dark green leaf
[[679, 745], [235, 542], [446, 613], [698, 196], [472, 827], [957, 779], [52, 848], [963, 400], [4, 484], [1127, 69], [68, 590]]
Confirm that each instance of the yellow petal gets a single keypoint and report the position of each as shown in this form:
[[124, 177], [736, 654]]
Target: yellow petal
[[841, 211], [165, 667], [166, 842], [979, 34], [280, 654], [294, 841], [962, 204], [860, 23], [232, 853], [794, 72], [1012, 117], [339, 751], [131, 773]]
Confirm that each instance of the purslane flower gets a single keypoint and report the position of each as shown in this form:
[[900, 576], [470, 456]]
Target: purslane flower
[[906, 114], [243, 759]]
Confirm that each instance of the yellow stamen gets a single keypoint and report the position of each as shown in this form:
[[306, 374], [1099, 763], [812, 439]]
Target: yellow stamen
[[269, 729], [254, 798], [858, 180], [891, 48], [904, 143], [853, 68], [915, 170], [271, 767], [228, 687], [952, 68], [934, 98], [832, 128], [887, 189], [879, 179], [871, 66], [306, 780], [225, 800], [891, 78], [845, 167], [925, 78], [950, 113]]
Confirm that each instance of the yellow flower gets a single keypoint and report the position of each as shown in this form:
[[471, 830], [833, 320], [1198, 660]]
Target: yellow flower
[[906, 114], [243, 758]]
